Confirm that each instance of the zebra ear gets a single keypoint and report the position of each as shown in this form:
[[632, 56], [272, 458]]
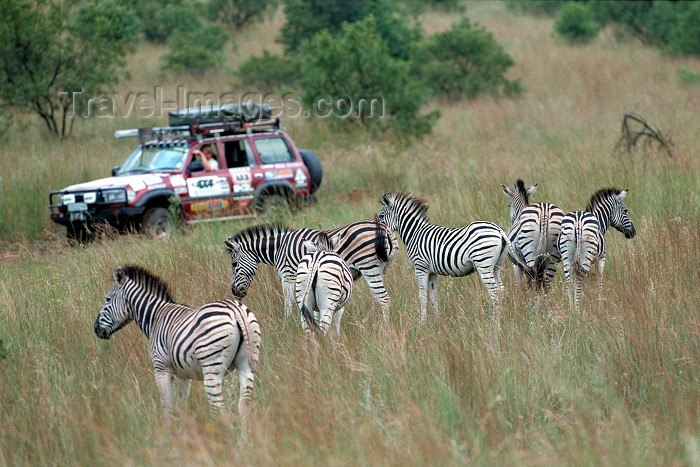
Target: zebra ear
[[386, 199], [232, 247], [333, 242], [119, 275], [532, 189], [310, 246], [622, 194], [507, 191]]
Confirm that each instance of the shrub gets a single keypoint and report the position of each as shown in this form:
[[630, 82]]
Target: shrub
[[575, 24], [268, 71], [197, 50], [163, 21], [355, 65], [685, 36], [464, 61]]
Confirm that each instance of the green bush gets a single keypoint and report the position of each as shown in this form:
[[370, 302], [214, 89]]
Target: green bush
[[575, 24], [464, 61], [684, 39], [356, 64], [196, 50], [538, 7], [172, 18], [269, 71]]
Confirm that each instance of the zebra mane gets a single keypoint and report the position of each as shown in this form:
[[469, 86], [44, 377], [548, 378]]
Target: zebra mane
[[520, 186], [148, 281], [257, 231], [600, 196], [414, 203]]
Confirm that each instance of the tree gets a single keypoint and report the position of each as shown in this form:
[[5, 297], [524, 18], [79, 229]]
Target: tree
[[352, 77], [464, 61], [56, 54], [236, 14], [197, 49], [575, 24]]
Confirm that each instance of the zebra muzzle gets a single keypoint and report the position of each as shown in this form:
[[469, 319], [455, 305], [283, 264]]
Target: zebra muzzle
[[237, 292]]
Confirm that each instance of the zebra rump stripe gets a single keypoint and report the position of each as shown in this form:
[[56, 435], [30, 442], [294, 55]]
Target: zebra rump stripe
[[435, 250], [366, 246], [533, 236], [185, 343], [581, 242], [323, 287]]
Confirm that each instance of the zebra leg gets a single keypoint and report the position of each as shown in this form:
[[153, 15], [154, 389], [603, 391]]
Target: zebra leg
[[422, 282], [376, 285], [337, 316], [433, 292], [213, 385], [164, 381], [183, 392], [288, 292], [601, 266], [246, 382], [489, 280]]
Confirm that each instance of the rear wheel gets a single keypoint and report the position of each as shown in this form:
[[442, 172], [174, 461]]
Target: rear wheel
[[274, 207], [157, 222]]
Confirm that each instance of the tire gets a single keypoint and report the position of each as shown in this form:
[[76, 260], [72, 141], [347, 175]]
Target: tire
[[274, 207], [77, 234], [157, 222], [314, 166]]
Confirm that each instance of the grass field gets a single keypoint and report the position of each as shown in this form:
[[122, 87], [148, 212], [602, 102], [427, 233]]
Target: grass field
[[615, 384]]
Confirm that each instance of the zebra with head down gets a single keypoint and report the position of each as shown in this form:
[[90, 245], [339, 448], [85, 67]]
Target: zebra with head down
[[368, 247]]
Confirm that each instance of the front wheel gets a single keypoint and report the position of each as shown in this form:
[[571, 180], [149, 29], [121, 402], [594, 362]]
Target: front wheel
[[157, 222]]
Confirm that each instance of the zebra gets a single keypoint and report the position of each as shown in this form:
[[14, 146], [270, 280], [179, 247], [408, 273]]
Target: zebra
[[533, 236], [367, 246], [435, 250], [581, 242], [185, 343], [323, 286]]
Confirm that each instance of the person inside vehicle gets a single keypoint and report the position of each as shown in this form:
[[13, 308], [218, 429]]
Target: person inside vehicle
[[206, 155]]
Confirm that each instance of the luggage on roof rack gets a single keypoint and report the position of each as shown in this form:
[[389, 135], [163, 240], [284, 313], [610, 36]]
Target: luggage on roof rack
[[243, 113]]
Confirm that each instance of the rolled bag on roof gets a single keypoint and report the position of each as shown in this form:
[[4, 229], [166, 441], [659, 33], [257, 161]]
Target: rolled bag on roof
[[248, 112]]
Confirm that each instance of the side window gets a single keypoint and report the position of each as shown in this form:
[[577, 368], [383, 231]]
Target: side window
[[238, 153], [249, 152], [273, 150]]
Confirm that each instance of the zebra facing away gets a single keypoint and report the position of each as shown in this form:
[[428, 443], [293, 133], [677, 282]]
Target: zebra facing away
[[323, 286], [368, 248], [185, 343], [533, 236], [581, 242], [435, 250]]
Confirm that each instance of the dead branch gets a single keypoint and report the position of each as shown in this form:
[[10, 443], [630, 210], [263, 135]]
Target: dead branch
[[638, 134]]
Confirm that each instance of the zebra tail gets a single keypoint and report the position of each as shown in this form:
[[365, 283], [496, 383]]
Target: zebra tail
[[250, 328], [380, 241], [539, 268], [310, 285], [515, 258]]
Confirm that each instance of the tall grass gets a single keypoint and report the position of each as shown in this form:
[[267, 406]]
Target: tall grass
[[616, 384]]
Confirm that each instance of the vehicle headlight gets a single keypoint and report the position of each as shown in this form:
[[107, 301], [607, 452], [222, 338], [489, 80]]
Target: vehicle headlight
[[66, 198], [114, 196], [90, 197], [130, 195]]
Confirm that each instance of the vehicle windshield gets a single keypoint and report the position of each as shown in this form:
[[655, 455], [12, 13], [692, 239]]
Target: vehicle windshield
[[155, 159]]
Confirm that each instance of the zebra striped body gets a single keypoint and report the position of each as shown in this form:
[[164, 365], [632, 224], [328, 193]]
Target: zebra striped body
[[581, 242], [323, 287], [185, 343], [368, 248], [533, 237], [435, 250]]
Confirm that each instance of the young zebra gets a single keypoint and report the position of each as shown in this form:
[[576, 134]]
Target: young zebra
[[533, 236], [581, 242], [323, 286], [368, 248], [433, 249], [186, 343]]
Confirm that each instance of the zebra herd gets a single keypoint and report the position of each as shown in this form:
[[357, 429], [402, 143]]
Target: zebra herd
[[318, 268]]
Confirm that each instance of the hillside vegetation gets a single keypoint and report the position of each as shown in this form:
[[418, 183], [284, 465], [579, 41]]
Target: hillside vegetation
[[617, 383]]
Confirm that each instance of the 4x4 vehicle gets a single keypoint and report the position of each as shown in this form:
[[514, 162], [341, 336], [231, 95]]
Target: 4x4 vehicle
[[259, 167]]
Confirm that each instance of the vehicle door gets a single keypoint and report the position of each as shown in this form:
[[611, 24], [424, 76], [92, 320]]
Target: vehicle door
[[240, 161], [279, 163], [208, 192]]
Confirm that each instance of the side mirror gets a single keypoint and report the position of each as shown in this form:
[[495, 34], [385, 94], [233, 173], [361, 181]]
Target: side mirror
[[195, 166], [115, 169]]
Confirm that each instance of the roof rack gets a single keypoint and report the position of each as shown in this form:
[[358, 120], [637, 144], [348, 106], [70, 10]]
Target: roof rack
[[199, 130]]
